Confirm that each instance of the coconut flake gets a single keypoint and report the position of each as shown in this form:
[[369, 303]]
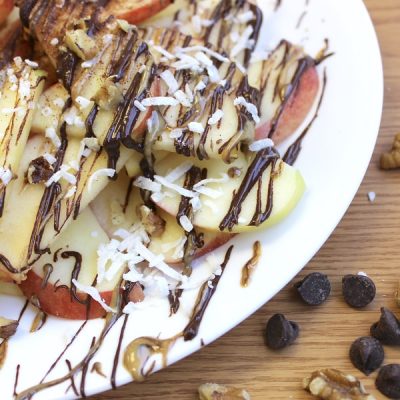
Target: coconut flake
[[200, 86], [31, 64], [371, 196], [216, 117], [70, 192], [168, 77], [49, 158], [181, 96], [245, 17], [185, 223], [178, 172], [139, 105], [250, 108], [196, 127], [5, 176], [176, 133], [147, 184], [261, 144], [164, 52], [160, 101], [93, 293], [51, 134], [205, 50], [243, 42], [182, 191], [83, 102], [54, 42], [62, 173], [108, 172]]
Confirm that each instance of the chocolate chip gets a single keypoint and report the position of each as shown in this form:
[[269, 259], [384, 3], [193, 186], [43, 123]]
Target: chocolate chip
[[366, 354], [388, 381], [358, 290], [314, 289], [387, 329], [280, 332], [39, 171]]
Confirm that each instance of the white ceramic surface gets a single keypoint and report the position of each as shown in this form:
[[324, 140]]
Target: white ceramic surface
[[333, 161]]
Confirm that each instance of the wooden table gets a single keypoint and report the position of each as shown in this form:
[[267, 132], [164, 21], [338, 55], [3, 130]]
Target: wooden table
[[367, 239]]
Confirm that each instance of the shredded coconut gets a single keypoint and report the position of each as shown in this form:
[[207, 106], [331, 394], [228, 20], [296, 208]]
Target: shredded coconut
[[160, 101], [196, 127], [261, 144], [49, 158], [170, 80], [93, 293], [51, 134], [243, 42], [108, 172], [176, 133], [371, 196], [147, 184], [185, 223], [205, 50], [182, 98], [178, 172], [32, 64], [250, 108], [182, 191], [83, 102], [5, 176], [62, 173], [54, 42], [216, 117], [139, 105]]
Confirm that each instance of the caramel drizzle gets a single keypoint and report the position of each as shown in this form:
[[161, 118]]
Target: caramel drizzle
[[250, 265], [38, 322]]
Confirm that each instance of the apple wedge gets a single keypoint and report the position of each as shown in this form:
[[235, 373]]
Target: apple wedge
[[230, 27], [289, 85], [10, 289], [135, 11], [6, 6], [50, 278], [20, 92], [114, 210], [248, 200]]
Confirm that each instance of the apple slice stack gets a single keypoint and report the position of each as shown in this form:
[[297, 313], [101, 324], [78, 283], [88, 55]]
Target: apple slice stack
[[154, 147]]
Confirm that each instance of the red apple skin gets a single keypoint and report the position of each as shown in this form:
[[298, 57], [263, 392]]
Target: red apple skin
[[296, 110], [135, 11], [215, 243], [6, 7], [58, 302]]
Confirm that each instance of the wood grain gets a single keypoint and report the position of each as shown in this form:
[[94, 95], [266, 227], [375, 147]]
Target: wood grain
[[367, 240]]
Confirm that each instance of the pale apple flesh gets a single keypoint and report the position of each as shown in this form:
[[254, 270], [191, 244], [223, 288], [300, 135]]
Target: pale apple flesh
[[288, 188], [114, 210], [52, 286], [290, 84]]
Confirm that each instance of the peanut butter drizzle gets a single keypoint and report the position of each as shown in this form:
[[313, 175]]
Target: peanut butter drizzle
[[3, 352], [135, 365], [249, 267]]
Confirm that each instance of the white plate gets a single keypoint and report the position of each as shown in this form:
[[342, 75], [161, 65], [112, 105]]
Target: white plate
[[333, 161]]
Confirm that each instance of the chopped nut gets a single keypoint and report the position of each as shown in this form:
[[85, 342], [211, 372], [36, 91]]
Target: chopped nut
[[154, 224], [331, 384], [79, 42], [7, 327], [213, 391], [234, 172], [391, 160], [39, 171], [109, 95]]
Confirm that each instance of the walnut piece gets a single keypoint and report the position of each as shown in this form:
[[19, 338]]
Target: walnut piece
[[7, 327], [391, 160], [154, 224], [213, 391], [109, 95], [39, 171], [331, 384]]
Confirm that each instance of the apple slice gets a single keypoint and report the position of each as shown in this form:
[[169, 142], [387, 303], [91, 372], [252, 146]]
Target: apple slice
[[51, 281], [135, 11], [114, 211], [10, 289], [233, 202], [6, 6], [19, 95], [230, 27], [290, 83]]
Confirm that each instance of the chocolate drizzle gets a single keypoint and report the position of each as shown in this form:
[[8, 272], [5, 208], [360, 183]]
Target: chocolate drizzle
[[262, 161], [206, 293], [294, 149]]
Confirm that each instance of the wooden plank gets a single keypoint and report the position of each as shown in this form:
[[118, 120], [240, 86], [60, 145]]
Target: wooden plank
[[367, 240]]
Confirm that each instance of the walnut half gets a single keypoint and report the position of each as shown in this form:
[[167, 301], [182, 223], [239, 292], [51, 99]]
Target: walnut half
[[331, 384], [153, 223], [7, 327], [213, 391]]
